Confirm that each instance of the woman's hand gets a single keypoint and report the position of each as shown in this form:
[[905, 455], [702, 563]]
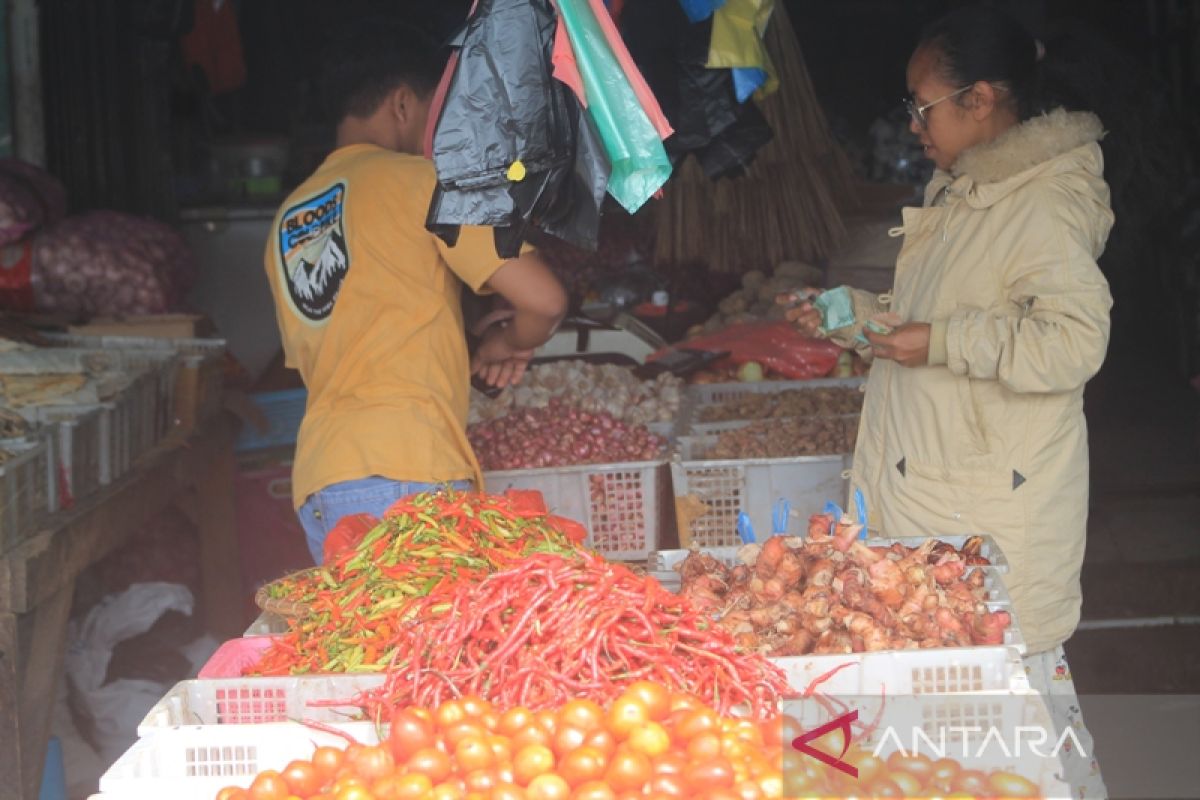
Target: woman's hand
[[907, 345], [805, 318]]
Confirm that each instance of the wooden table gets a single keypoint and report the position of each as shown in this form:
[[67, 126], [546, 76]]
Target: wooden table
[[37, 580]]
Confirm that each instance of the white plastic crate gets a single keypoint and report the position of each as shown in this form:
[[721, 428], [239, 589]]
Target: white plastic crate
[[27, 487], [698, 396], [257, 701], [80, 436], [729, 486], [619, 504], [196, 762]]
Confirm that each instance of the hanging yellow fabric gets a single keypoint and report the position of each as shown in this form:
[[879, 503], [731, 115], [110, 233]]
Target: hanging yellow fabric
[[738, 28]]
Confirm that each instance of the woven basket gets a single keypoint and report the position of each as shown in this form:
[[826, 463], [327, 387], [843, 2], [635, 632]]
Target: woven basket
[[284, 608]]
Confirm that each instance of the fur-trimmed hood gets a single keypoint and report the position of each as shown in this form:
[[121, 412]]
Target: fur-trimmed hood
[[1029, 144]]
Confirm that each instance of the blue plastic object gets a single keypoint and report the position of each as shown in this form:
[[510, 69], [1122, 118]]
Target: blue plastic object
[[700, 10], [746, 81], [860, 505], [54, 774], [779, 516], [284, 411], [744, 529]]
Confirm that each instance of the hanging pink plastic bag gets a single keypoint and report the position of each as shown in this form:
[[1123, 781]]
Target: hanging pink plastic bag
[[775, 345]]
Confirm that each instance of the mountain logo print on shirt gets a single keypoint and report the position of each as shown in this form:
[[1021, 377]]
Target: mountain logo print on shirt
[[312, 252]]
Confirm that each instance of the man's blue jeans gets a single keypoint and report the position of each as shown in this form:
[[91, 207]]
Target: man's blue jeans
[[322, 510]]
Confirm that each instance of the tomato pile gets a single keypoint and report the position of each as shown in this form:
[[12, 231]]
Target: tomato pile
[[649, 742]]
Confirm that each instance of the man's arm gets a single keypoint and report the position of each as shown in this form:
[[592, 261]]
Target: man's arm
[[539, 304]]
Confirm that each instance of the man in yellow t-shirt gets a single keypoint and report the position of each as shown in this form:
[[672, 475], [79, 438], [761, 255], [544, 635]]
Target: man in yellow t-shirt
[[368, 301]]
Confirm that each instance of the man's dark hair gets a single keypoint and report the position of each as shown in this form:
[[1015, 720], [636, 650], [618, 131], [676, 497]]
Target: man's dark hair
[[371, 57]]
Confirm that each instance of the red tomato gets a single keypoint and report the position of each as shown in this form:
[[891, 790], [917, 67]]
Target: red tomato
[[327, 761], [409, 733], [269, 785], [625, 714], [233, 793], [594, 790], [628, 770], [654, 697], [302, 779], [372, 762], [567, 738], [582, 714], [531, 761], [548, 787], [431, 762], [473, 753], [714, 773], [449, 713], [582, 766], [413, 786]]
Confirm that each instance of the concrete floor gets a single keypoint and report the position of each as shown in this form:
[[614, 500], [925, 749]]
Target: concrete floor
[[1141, 570]]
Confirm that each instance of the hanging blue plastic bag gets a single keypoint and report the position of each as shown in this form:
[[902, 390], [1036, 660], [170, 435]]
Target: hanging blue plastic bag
[[746, 81], [700, 10], [640, 165]]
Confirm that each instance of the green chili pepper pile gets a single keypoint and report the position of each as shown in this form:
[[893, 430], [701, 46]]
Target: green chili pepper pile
[[426, 544]]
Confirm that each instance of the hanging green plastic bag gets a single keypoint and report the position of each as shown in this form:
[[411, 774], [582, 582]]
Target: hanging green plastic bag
[[640, 165], [738, 28]]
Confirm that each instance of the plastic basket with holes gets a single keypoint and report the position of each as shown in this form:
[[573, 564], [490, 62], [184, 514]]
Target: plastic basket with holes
[[80, 436], [620, 504], [28, 483], [256, 701], [709, 493], [699, 398], [195, 762], [198, 379]]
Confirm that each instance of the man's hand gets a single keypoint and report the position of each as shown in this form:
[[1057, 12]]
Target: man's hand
[[907, 345], [497, 362], [800, 311]]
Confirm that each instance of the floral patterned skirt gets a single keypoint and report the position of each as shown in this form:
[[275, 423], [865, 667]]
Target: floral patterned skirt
[[1050, 675]]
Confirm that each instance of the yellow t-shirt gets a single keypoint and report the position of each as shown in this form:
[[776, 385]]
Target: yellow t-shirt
[[368, 305]]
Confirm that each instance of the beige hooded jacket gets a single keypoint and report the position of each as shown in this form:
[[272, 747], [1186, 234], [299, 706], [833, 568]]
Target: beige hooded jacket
[[990, 436]]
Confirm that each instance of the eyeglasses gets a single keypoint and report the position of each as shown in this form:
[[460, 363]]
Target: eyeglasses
[[918, 112]]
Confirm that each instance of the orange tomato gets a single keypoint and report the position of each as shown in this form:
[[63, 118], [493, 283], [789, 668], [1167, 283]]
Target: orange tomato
[[413, 786], [515, 720], [354, 792], [233, 793], [532, 733], [603, 741], [269, 785], [650, 739], [481, 780], [327, 761], [449, 713], [919, 765], [655, 697], [1010, 784], [715, 773], [507, 791], [585, 715], [531, 761], [461, 730], [301, 778], [943, 773], [474, 706], [582, 766], [473, 753], [431, 762], [448, 790], [704, 746], [568, 738], [625, 714], [628, 770], [548, 787], [594, 790], [696, 722], [371, 762]]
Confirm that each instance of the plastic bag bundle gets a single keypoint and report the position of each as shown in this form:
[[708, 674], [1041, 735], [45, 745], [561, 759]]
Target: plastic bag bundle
[[30, 198], [109, 263]]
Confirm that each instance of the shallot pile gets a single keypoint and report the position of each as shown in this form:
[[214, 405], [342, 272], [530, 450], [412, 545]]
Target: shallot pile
[[831, 593], [786, 438], [594, 388], [560, 435], [107, 263], [825, 401]]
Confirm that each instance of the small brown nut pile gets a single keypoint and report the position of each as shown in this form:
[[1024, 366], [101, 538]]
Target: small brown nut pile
[[787, 438], [825, 401]]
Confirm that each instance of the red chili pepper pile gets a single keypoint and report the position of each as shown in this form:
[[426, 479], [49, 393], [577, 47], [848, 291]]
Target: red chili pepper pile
[[426, 545], [552, 629]]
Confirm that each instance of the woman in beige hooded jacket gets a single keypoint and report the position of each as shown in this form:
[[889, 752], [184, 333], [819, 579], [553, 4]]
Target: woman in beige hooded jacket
[[973, 419]]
